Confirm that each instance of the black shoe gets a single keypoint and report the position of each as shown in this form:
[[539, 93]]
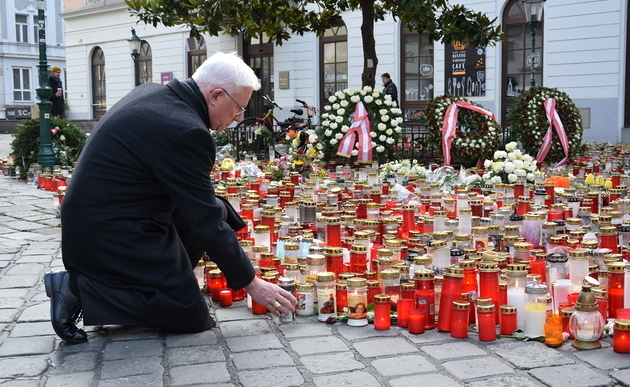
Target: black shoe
[[65, 307]]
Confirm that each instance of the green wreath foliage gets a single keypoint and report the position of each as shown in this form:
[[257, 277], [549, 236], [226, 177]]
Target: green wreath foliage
[[477, 135], [529, 122], [67, 142]]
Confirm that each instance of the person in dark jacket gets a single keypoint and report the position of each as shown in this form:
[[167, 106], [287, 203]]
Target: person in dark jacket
[[389, 87], [141, 210], [58, 107]]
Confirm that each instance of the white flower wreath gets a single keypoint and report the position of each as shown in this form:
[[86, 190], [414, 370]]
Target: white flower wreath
[[477, 135], [383, 114]]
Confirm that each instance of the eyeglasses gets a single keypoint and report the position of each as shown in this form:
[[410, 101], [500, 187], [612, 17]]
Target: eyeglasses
[[237, 104]]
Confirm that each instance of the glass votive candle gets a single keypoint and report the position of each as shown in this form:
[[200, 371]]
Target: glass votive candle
[[486, 323], [623, 313], [508, 319], [459, 318], [572, 297], [621, 336], [416, 321], [403, 308], [225, 297], [564, 305], [382, 319], [566, 314]]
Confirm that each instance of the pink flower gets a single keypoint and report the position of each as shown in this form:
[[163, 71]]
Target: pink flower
[[54, 130]]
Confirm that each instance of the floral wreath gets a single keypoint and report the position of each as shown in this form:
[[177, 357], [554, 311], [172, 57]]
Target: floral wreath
[[476, 137], [530, 124], [383, 115]]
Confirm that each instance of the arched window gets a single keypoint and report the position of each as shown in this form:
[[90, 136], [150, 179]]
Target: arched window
[[418, 72], [333, 61], [99, 97], [516, 50], [197, 54], [145, 63]]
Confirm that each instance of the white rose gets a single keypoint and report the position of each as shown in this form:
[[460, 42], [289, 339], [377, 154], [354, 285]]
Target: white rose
[[341, 112], [510, 146], [376, 94], [363, 92], [388, 103], [388, 97], [496, 179], [368, 99], [390, 140], [341, 96], [339, 119], [333, 141], [394, 122], [335, 106], [382, 138], [399, 130], [381, 126], [326, 123], [332, 99], [327, 107], [349, 92], [338, 136], [367, 89], [385, 118], [389, 132], [312, 138], [520, 172], [382, 112], [508, 167], [328, 133], [319, 146], [345, 128], [374, 144], [530, 176], [487, 164], [518, 164], [378, 102], [344, 103], [325, 115], [512, 178], [380, 149], [355, 98], [497, 166], [373, 134], [334, 125]]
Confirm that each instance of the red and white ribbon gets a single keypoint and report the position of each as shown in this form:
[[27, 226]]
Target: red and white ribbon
[[360, 126], [449, 126], [554, 122]]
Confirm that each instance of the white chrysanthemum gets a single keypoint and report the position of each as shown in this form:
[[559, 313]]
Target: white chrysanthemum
[[380, 149], [338, 136], [382, 138], [345, 128], [332, 99], [497, 166], [389, 132], [373, 134], [334, 125], [508, 167], [355, 98], [518, 164], [368, 99], [512, 178], [344, 103], [339, 119], [385, 118], [341, 112], [333, 141], [328, 133], [381, 126]]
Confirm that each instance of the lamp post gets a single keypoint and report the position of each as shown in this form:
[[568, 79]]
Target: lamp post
[[533, 14], [45, 155], [134, 44]]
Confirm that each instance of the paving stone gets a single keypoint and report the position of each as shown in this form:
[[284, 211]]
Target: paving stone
[[430, 336], [18, 281], [26, 268], [13, 367], [21, 225], [573, 375], [131, 349], [125, 333], [356, 378], [238, 311], [354, 333], [247, 343], [261, 359], [452, 350], [384, 347], [75, 379], [604, 359], [95, 343], [20, 383], [34, 258], [24, 237], [113, 369], [512, 381], [198, 374], [245, 328], [622, 376], [32, 329], [403, 365], [154, 380], [27, 346], [281, 376], [11, 303], [480, 367], [194, 355], [526, 355], [329, 363], [437, 380], [38, 312], [74, 362], [305, 329], [14, 293], [174, 340], [322, 344]]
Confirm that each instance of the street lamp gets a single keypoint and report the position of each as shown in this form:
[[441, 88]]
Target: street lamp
[[134, 44], [533, 14], [46, 154]]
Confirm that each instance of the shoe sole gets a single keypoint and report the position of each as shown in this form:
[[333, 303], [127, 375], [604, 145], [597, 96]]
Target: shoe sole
[[49, 292]]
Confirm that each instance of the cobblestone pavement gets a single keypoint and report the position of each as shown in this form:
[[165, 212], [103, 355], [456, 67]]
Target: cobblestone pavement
[[245, 350]]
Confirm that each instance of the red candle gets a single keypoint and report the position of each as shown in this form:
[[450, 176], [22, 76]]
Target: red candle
[[258, 308], [459, 318], [416, 321], [508, 319], [358, 259], [451, 291], [615, 288], [238, 295], [333, 232], [409, 220], [382, 320], [489, 284], [225, 296], [408, 290], [374, 288], [216, 284], [523, 205], [621, 338], [486, 323], [425, 296], [334, 260], [566, 314], [342, 297], [608, 239], [403, 307]]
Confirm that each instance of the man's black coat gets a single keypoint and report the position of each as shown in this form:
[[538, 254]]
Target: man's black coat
[[140, 207]]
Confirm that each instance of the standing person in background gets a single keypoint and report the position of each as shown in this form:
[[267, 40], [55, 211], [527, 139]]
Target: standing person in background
[[58, 107], [389, 87]]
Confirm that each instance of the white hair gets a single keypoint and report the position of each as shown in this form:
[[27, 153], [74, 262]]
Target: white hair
[[227, 71]]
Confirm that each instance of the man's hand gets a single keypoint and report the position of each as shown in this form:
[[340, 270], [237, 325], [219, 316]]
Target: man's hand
[[270, 295]]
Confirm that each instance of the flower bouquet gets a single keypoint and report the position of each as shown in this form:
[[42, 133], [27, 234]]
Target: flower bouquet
[[509, 165], [303, 162]]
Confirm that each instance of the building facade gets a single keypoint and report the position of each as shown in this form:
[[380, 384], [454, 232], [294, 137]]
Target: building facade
[[19, 52], [580, 48]]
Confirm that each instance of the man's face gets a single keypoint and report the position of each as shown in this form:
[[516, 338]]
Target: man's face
[[224, 110], [57, 73], [384, 80]]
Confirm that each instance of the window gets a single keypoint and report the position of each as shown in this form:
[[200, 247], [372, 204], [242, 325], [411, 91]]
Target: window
[[334, 61], [22, 85], [99, 97], [36, 29], [197, 54], [418, 72], [259, 56], [145, 63], [516, 50], [21, 28]]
